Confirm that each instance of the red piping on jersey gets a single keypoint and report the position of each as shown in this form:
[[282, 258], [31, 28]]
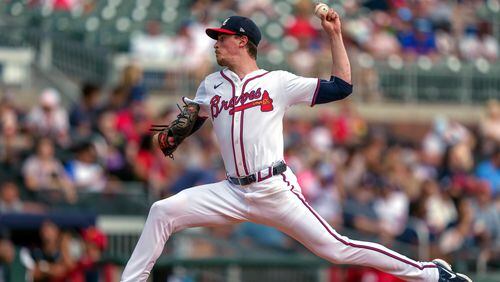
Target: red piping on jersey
[[313, 102], [350, 244], [232, 123], [241, 121]]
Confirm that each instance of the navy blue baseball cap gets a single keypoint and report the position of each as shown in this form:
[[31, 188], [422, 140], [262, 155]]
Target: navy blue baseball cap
[[237, 25]]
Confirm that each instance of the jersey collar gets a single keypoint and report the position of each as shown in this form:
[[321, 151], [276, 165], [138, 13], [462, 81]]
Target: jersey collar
[[234, 77]]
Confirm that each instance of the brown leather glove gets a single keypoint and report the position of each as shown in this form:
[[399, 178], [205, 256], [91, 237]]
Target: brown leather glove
[[171, 136]]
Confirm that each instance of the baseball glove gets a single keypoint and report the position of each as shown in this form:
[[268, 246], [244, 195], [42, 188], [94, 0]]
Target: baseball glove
[[171, 136]]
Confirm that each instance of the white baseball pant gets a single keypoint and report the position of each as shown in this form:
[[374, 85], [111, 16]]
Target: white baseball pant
[[277, 202]]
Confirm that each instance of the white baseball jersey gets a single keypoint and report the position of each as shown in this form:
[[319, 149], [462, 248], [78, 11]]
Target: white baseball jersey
[[247, 114]]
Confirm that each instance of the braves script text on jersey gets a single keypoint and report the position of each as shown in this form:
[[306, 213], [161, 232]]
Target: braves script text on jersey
[[247, 117]]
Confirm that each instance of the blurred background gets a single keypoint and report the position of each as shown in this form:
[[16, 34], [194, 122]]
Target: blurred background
[[410, 160]]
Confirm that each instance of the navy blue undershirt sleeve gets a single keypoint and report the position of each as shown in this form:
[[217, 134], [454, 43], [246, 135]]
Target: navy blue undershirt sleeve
[[333, 90]]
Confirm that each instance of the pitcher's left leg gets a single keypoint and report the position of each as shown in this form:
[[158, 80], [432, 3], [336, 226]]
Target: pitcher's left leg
[[302, 223]]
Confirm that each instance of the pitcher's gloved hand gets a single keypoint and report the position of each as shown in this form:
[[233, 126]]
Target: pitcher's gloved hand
[[169, 137]]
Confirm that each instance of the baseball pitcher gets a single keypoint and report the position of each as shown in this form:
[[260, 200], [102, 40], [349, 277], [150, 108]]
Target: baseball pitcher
[[246, 105]]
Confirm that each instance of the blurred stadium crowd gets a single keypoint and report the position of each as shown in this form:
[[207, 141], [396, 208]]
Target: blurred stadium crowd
[[358, 175], [173, 30], [396, 31]]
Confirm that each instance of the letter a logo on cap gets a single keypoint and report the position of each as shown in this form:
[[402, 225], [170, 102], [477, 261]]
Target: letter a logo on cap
[[225, 21]]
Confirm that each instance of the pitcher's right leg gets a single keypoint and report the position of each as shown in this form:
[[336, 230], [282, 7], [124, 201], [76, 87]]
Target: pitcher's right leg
[[296, 218], [206, 205]]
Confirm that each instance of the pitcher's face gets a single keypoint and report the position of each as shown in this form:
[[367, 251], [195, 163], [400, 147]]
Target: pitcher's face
[[227, 49]]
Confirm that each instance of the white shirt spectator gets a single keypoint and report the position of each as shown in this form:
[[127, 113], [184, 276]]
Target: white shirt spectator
[[489, 48], [470, 47], [440, 212], [49, 118], [88, 177], [392, 211], [321, 139], [45, 173], [150, 47]]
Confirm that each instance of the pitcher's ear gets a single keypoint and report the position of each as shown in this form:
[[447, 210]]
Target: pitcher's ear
[[243, 40]]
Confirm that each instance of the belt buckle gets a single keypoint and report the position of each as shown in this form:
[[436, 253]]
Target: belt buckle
[[269, 174]]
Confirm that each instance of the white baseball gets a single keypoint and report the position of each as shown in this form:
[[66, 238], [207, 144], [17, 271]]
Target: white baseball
[[321, 9]]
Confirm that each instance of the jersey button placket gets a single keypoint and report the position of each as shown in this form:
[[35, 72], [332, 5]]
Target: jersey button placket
[[237, 136]]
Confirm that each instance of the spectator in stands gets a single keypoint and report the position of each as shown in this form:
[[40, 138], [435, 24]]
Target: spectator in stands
[[149, 167], [134, 121], [84, 171], [302, 60], [469, 44], [397, 163], [87, 267], [489, 127], [189, 55], [486, 218], [440, 13], [301, 27], [7, 255], [107, 126], [420, 40], [439, 208], [151, 45], [446, 43], [457, 165], [13, 142], [382, 43], [49, 118], [131, 82], [198, 168], [83, 115], [10, 202], [45, 176], [247, 8], [373, 154], [460, 232], [351, 169], [113, 158], [444, 133], [391, 207], [347, 126], [489, 44], [325, 197], [489, 170], [117, 100], [145, 159], [321, 138], [359, 212], [478, 42], [51, 258], [306, 176]]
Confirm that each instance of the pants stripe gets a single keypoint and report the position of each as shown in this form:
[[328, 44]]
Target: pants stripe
[[431, 265]]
